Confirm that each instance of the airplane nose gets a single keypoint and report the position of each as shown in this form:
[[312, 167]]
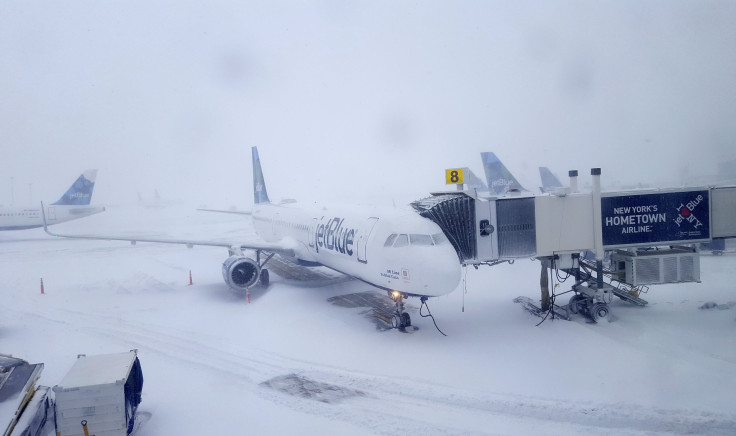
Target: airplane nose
[[445, 272]]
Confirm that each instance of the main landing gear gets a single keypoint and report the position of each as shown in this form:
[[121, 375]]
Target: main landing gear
[[263, 278], [400, 319]]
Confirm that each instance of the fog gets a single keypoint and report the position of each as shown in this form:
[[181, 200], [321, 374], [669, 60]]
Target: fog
[[370, 99]]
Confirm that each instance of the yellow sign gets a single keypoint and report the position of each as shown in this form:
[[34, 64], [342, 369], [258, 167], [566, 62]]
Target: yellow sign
[[454, 176]]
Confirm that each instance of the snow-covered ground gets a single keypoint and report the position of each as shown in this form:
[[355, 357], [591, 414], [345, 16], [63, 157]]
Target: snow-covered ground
[[211, 360]]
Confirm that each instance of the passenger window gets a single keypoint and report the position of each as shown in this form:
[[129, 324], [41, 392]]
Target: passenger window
[[390, 240], [417, 239], [402, 241]]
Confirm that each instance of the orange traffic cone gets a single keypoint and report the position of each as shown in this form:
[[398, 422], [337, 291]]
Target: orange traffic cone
[[42, 285]]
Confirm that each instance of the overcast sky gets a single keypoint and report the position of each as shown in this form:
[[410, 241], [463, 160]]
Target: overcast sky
[[373, 98]]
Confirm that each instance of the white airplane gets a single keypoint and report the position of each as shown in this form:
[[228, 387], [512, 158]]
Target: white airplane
[[74, 204], [394, 250]]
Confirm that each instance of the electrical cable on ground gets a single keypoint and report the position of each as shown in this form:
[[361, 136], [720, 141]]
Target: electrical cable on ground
[[429, 314]]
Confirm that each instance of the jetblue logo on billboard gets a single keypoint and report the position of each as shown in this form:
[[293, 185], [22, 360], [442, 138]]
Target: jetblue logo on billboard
[[686, 214], [655, 218], [332, 235]]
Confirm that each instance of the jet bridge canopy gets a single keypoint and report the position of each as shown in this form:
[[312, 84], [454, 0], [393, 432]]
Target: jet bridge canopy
[[455, 214]]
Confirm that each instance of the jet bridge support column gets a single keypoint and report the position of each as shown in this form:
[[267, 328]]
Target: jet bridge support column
[[597, 224], [544, 283]]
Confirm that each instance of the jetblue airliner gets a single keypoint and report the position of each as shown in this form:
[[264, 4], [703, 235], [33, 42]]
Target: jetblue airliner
[[395, 250], [499, 178], [72, 205]]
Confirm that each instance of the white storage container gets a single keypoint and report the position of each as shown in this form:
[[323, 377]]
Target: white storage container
[[102, 390]]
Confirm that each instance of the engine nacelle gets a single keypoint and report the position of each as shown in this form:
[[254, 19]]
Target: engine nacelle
[[240, 272]]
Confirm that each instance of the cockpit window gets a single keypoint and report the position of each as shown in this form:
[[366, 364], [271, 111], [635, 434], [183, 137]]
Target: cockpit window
[[417, 239], [402, 240], [439, 238]]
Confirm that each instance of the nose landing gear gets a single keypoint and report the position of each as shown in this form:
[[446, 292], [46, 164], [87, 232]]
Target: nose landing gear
[[400, 319]]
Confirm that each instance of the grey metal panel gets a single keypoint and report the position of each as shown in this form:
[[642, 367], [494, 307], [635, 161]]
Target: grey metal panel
[[675, 265], [723, 214], [517, 235]]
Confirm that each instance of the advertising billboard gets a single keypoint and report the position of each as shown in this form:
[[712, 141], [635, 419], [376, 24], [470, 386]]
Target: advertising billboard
[[660, 218]]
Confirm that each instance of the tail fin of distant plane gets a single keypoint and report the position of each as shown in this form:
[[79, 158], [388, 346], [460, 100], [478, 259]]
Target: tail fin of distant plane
[[549, 181], [472, 181], [259, 185], [80, 193], [500, 180]]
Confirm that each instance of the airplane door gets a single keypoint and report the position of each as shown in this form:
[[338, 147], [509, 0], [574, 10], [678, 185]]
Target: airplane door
[[51, 213], [363, 234], [486, 235]]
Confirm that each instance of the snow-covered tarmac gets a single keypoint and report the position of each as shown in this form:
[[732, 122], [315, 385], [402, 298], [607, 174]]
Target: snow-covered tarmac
[[212, 361]]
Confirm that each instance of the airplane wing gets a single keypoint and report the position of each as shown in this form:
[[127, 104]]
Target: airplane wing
[[283, 249], [236, 212]]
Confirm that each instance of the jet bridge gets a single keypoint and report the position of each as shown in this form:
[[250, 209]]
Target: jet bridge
[[646, 237]]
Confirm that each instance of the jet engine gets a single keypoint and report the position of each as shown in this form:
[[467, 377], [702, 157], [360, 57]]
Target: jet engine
[[240, 272]]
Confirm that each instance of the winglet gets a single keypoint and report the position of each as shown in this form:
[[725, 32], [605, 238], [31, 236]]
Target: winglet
[[259, 185], [500, 180], [80, 193]]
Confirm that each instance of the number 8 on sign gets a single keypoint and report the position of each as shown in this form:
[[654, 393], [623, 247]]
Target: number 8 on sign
[[454, 176]]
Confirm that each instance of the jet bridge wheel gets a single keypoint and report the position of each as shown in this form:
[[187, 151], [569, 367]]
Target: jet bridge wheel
[[264, 279], [575, 304], [599, 311]]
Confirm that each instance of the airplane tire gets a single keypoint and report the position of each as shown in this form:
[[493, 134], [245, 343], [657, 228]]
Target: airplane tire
[[395, 321], [405, 320], [264, 278]]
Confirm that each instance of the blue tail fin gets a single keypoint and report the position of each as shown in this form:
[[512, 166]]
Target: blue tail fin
[[500, 180], [549, 181], [80, 193], [259, 185]]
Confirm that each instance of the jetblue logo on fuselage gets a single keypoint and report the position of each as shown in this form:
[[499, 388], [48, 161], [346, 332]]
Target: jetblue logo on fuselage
[[332, 235]]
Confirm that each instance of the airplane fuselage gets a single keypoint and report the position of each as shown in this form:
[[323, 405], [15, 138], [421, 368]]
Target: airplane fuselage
[[392, 249], [21, 218]]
